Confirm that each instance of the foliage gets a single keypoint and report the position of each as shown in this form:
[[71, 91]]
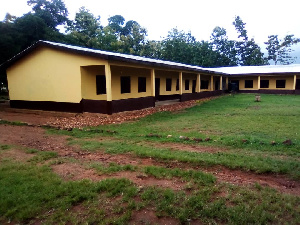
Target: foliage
[[52, 12], [249, 52], [182, 47], [130, 37], [224, 46], [279, 50]]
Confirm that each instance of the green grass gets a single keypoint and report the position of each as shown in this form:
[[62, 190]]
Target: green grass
[[27, 191], [112, 168], [30, 192], [42, 156], [198, 177], [4, 147], [226, 120], [14, 123], [231, 160], [245, 127]]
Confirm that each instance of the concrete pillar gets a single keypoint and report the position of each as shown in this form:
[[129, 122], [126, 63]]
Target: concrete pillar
[[221, 83], [152, 82], [227, 81], [211, 83], [180, 83], [198, 82], [258, 82], [295, 80], [108, 83]]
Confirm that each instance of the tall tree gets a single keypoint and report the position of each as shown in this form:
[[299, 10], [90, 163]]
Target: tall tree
[[53, 12], [116, 24], [84, 30], [225, 47], [152, 49], [182, 47], [132, 38], [249, 53], [279, 50], [177, 46]]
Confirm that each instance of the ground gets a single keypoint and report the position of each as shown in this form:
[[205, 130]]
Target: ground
[[73, 162]]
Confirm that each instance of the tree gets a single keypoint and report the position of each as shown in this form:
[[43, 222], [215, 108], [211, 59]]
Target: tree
[[182, 47], [116, 24], [225, 47], [249, 53], [132, 38], [53, 12], [177, 46], [85, 29], [152, 49], [279, 50]]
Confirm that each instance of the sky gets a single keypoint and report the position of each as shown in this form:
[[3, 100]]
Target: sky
[[200, 17]]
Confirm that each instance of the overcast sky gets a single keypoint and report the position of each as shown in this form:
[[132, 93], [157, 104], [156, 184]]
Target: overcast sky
[[262, 17]]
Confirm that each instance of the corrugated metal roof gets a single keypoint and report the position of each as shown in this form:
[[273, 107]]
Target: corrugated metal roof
[[131, 58], [252, 70], [237, 70]]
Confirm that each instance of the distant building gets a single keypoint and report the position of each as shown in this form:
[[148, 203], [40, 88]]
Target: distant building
[[54, 76]]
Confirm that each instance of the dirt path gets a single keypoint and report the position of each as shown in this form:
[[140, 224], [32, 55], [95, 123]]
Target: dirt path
[[79, 120], [36, 138]]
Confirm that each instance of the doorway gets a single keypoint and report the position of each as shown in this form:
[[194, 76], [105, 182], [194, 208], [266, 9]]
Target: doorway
[[217, 85], [298, 84]]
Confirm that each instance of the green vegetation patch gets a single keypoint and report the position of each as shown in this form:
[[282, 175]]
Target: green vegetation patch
[[5, 147], [43, 156], [13, 123], [27, 191], [254, 163]]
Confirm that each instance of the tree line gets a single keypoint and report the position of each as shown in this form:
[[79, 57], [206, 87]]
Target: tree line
[[17, 33]]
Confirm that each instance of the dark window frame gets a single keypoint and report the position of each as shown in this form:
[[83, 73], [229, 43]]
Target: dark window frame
[[168, 84], [280, 83], [204, 84], [177, 85], [142, 84], [248, 83], [264, 83], [100, 84], [125, 83], [187, 85]]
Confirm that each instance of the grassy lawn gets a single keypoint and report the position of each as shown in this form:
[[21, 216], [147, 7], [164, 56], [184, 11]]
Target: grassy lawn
[[253, 132], [242, 130], [226, 120]]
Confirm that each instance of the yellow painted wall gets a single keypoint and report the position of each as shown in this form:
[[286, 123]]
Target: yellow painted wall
[[190, 77], [134, 73], [272, 82], [47, 74], [163, 75], [205, 77], [88, 79], [242, 82]]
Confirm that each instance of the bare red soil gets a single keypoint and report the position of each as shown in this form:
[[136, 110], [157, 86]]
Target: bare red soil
[[24, 137]]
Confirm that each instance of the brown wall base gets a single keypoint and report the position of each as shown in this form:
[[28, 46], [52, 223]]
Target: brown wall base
[[167, 97], [96, 106], [132, 104], [47, 105], [105, 107], [195, 96], [101, 106], [264, 91]]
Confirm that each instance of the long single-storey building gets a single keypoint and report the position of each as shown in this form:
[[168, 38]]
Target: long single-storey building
[[60, 77]]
